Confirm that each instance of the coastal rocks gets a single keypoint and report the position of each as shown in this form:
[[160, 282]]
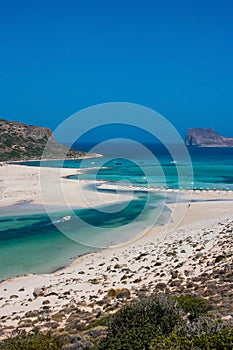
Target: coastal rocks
[[33, 313], [227, 318], [175, 283], [51, 294], [123, 293], [80, 315], [58, 316], [39, 292], [14, 296], [219, 258], [97, 332], [140, 256], [79, 342], [77, 320], [161, 286], [51, 325], [95, 281], [113, 300]]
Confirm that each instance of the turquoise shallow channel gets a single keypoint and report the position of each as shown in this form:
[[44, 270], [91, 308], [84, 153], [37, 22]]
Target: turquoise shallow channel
[[212, 167], [31, 243]]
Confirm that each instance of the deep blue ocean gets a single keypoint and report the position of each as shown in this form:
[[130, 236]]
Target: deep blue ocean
[[31, 243]]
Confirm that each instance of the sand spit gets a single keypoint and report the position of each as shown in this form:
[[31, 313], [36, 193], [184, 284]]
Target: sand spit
[[20, 183]]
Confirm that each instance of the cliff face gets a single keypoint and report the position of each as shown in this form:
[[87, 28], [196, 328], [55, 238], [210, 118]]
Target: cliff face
[[206, 137], [20, 141]]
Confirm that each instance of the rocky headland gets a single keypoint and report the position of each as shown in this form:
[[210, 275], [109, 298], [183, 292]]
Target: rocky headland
[[206, 137], [19, 141]]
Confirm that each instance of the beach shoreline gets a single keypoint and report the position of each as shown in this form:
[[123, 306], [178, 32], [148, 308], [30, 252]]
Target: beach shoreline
[[126, 265], [20, 183], [93, 275], [87, 156]]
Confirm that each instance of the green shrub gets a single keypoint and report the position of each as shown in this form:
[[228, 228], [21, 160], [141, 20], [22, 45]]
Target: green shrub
[[103, 321], [134, 326], [222, 340], [36, 341], [163, 322], [192, 306]]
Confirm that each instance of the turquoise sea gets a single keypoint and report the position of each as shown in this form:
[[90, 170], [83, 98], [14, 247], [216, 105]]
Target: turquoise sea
[[31, 243]]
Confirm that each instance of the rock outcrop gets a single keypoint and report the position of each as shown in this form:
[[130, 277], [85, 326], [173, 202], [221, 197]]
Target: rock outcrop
[[19, 141], [206, 137]]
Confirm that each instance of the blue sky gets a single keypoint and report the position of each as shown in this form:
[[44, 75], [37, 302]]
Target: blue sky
[[176, 57]]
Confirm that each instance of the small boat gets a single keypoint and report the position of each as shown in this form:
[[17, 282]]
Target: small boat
[[172, 163], [66, 218]]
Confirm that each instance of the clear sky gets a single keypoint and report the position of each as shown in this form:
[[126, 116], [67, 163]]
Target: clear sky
[[175, 56]]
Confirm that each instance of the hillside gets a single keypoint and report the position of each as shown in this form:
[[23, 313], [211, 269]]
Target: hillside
[[19, 141], [206, 137]]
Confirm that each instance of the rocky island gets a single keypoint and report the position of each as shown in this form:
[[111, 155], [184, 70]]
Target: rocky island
[[206, 137], [19, 141]]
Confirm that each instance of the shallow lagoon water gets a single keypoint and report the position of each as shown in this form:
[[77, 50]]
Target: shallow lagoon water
[[212, 167], [31, 243]]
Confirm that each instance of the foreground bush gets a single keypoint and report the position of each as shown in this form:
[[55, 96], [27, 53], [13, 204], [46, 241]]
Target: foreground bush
[[162, 322], [36, 341], [222, 340], [134, 326], [194, 307]]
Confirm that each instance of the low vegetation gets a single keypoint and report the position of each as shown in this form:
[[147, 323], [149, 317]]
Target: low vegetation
[[221, 340], [36, 341], [157, 322], [165, 322]]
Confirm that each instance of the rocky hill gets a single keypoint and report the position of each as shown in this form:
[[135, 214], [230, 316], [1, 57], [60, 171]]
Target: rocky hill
[[206, 137], [20, 141]]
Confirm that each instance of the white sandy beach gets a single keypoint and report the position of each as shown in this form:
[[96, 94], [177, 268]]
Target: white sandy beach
[[144, 262], [20, 183]]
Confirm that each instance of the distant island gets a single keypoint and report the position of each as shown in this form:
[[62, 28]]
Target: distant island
[[206, 137], [19, 141]]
